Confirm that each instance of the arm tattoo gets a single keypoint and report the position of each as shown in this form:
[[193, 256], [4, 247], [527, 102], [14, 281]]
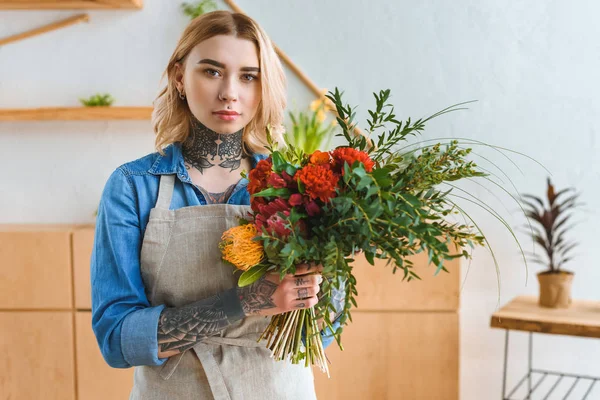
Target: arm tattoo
[[181, 328], [258, 296], [205, 148]]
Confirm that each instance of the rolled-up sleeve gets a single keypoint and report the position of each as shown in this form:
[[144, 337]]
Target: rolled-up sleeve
[[123, 321]]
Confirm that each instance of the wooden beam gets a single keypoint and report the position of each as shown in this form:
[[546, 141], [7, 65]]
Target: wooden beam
[[46, 28], [69, 4]]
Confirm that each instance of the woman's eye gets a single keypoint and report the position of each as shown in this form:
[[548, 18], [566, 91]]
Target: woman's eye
[[249, 77], [212, 72]]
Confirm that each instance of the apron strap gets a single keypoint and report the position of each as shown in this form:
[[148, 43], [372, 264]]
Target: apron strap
[[165, 191]]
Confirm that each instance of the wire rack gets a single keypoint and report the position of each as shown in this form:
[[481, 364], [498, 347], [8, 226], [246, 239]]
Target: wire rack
[[537, 377]]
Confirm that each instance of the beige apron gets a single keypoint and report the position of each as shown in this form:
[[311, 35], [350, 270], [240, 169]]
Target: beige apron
[[181, 263]]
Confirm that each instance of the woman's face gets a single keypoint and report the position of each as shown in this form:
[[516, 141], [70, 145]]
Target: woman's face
[[221, 80]]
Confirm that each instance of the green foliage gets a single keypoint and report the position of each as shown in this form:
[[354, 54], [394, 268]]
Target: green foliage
[[98, 100], [391, 213], [309, 131], [194, 10]]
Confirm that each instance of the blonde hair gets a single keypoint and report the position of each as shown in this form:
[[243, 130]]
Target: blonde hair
[[171, 118]]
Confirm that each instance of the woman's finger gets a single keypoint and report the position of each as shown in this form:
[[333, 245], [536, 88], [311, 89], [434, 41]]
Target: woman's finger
[[306, 303], [304, 269], [306, 280], [305, 293]]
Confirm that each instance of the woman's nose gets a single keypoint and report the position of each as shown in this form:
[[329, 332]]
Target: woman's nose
[[229, 90]]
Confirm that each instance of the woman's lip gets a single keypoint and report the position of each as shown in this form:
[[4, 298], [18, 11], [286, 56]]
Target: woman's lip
[[227, 117], [227, 112]]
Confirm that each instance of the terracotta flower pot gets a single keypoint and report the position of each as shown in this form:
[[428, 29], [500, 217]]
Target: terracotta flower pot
[[555, 289]]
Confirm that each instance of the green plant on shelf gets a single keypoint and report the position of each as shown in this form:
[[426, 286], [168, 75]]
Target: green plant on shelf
[[98, 100], [550, 231], [194, 10]]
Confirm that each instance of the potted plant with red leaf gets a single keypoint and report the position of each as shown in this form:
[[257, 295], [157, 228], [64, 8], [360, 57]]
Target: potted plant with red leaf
[[555, 282]]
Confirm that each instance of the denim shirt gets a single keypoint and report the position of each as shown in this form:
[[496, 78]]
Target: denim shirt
[[124, 322]]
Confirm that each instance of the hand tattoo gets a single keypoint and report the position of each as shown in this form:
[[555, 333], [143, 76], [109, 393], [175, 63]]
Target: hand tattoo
[[258, 296], [301, 305], [205, 148], [301, 281], [302, 293]]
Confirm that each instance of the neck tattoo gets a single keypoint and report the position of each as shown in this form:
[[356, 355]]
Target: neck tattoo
[[206, 148]]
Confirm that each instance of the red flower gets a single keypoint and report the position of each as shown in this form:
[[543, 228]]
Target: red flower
[[265, 211], [256, 202], [258, 176], [312, 208], [348, 155], [278, 226], [295, 199], [319, 181], [289, 180], [276, 181]]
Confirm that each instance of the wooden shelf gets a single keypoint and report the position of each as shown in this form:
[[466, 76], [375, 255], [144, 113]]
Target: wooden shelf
[[69, 4], [75, 113], [523, 313]]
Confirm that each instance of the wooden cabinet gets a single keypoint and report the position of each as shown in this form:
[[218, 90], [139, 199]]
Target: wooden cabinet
[[403, 343], [95, 379], [37, 355], [47, 345], [394, 356], [83, 240], [379, 289], [35, 269]]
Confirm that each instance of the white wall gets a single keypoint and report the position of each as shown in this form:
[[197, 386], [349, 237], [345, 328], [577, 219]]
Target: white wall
[[533, 67]]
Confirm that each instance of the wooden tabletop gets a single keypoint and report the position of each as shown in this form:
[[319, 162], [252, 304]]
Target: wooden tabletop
[[524, 314]]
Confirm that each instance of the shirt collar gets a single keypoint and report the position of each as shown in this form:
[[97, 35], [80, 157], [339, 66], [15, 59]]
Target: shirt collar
[[172, 162]]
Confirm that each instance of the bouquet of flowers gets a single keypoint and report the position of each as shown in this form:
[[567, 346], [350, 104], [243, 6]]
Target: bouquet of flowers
[[368, 196]]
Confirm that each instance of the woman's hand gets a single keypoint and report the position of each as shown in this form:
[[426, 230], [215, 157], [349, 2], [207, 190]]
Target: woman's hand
[[271, 295]]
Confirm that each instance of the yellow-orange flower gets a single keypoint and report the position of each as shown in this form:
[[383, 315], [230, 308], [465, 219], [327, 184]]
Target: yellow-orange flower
[[238, 247], [319, 157]]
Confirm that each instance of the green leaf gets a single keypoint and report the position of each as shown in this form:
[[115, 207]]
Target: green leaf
[[290, 169], [273, 192], [252, 275], [279, 163]]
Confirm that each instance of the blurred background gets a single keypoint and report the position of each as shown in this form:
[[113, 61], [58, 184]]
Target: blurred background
[[533, 68]]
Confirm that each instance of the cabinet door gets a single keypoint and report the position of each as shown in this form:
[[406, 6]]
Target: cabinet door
[[95, 378], [83, 240], [394, 356], [379, 289], [37, 355], [35, 271]]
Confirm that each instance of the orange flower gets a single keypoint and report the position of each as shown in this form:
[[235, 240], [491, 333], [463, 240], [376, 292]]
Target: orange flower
[[319, 181], [258, 176], [238, 247], [319, 158], [348, 155]]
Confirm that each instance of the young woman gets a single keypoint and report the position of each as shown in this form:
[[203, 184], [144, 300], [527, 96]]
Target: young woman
[[162, 299]]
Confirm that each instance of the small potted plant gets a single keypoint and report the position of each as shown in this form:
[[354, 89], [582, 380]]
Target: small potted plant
[[555, 282]]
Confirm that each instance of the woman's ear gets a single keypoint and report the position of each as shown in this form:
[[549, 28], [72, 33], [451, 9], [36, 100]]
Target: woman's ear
[[179, 77]]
